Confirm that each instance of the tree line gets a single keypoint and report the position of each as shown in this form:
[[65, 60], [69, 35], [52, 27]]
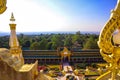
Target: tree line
[[53, 41]]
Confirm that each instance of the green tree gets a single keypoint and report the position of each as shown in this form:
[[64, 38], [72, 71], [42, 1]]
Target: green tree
[[26, 43], [78, 32], [49, 46], [91, 43], [79, 38], [4, 41], [35, 46], [57, 41], [43, 44], [54, 45], [68, 41]]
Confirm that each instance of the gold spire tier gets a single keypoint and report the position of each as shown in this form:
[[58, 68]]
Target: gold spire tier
[[12, 26]]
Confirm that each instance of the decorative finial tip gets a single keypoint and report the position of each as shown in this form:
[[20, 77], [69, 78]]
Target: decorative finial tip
[[12, 17]]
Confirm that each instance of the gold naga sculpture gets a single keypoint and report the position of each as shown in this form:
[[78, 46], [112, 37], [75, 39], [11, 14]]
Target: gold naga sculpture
[[109, 45], [3, 6]]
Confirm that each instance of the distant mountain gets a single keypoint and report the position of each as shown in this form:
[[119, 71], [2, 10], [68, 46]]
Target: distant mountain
[[4, 33], [88, 32], [55, 32]]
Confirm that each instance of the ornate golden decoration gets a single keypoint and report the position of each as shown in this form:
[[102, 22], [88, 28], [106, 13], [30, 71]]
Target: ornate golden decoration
[[65, 53], [110, 52], [3, 6]]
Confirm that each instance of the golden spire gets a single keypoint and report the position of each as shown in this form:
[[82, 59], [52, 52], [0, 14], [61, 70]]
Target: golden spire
[[13, 38], [12, 17], [15, 48]]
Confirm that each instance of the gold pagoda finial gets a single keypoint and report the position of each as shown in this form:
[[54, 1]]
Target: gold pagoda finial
[[12, 17]]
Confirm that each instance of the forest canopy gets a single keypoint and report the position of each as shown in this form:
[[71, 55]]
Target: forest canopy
[[53, 41]]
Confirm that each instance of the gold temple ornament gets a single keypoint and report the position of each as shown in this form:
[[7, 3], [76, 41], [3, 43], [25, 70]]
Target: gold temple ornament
[[3, 6], [109, 45]]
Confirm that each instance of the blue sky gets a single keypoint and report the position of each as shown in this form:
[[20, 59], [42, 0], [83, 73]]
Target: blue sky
[[86, 13], [58, 15]]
